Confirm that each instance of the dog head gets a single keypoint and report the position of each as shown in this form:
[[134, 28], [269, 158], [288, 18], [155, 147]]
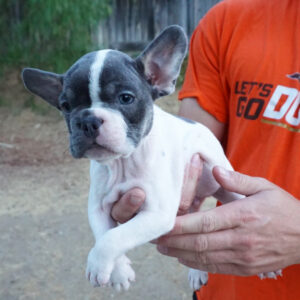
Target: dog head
[[106, 97]]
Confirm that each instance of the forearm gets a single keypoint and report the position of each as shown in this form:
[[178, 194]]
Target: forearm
[[189, 108]]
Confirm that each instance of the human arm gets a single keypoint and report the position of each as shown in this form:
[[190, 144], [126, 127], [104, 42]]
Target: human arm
[[189, 108]]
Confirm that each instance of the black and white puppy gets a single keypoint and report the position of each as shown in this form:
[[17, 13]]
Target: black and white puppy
[[107, 100]]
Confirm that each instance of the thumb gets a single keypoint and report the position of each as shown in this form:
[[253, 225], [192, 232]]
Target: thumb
[[240, 183]]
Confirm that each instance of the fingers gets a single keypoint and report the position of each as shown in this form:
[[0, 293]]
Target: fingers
[[221, 240], [201, 258], [220, 218], [128, 205], [240, 183], [192, 175]]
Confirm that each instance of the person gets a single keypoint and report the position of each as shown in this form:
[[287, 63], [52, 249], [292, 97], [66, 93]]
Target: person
[[242, 81]]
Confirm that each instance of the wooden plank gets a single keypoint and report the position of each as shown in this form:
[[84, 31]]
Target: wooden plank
[[160, 15], [138, 21], [190, 16]]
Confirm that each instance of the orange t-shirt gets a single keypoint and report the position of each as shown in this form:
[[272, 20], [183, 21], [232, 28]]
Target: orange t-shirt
[[241, 54]]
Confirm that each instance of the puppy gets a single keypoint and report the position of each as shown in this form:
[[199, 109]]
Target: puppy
[[107, 99]]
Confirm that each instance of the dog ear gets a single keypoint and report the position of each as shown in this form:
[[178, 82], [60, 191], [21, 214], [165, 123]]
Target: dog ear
[[47, 85], [160, 62]]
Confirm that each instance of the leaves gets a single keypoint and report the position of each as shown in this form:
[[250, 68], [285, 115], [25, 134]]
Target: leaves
[[49, 34]]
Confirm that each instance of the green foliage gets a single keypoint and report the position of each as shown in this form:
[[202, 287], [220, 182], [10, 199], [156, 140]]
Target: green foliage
[[182, 72], [48, 34]]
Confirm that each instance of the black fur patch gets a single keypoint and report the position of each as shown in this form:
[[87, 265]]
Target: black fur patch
[[76, 82], [120, 74], [186, 119]]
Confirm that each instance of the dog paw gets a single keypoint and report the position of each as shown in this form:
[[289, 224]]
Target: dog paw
[[98, 270], [122, 275], [270, 274], [197, 279]]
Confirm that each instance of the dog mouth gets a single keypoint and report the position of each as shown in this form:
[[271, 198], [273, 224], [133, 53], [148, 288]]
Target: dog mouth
[[100, 153], [105, 148], [93, 150]]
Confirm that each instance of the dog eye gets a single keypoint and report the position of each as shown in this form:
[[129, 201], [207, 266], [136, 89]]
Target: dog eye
[[65, 107], [126, 98]]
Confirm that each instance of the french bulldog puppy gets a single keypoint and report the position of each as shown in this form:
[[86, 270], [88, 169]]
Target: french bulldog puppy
[[107, 100]]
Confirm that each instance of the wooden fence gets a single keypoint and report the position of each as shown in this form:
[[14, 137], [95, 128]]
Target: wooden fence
[[133, 23]]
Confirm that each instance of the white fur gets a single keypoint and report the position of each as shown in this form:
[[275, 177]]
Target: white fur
[[197, 279], [95, 72], [156, 166]]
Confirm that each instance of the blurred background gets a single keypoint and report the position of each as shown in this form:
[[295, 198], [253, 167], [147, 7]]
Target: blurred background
[[45, 237]]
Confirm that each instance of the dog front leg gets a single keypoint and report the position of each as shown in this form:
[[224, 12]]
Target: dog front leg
[[121, 271], [100, 222], [144, 227]]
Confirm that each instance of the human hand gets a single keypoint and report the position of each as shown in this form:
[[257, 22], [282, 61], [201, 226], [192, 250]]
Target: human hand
[[192, 173], [260, 233], [129, 204]]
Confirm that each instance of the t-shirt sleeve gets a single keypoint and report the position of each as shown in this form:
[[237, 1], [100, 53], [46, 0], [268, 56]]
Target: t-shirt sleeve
[[203, 78]]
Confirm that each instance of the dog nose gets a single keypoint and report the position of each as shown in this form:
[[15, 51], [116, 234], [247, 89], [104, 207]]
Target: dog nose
[[89, 126]]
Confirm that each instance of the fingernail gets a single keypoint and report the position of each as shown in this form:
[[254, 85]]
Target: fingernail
[[196, 202], [135, 200], [223, 172], [196, 160], [162, 249]]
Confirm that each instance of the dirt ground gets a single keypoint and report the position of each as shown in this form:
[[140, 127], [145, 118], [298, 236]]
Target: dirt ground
[[45, 237]]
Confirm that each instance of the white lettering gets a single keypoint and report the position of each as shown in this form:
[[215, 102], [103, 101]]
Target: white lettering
[[295, 121], [270, 111]]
